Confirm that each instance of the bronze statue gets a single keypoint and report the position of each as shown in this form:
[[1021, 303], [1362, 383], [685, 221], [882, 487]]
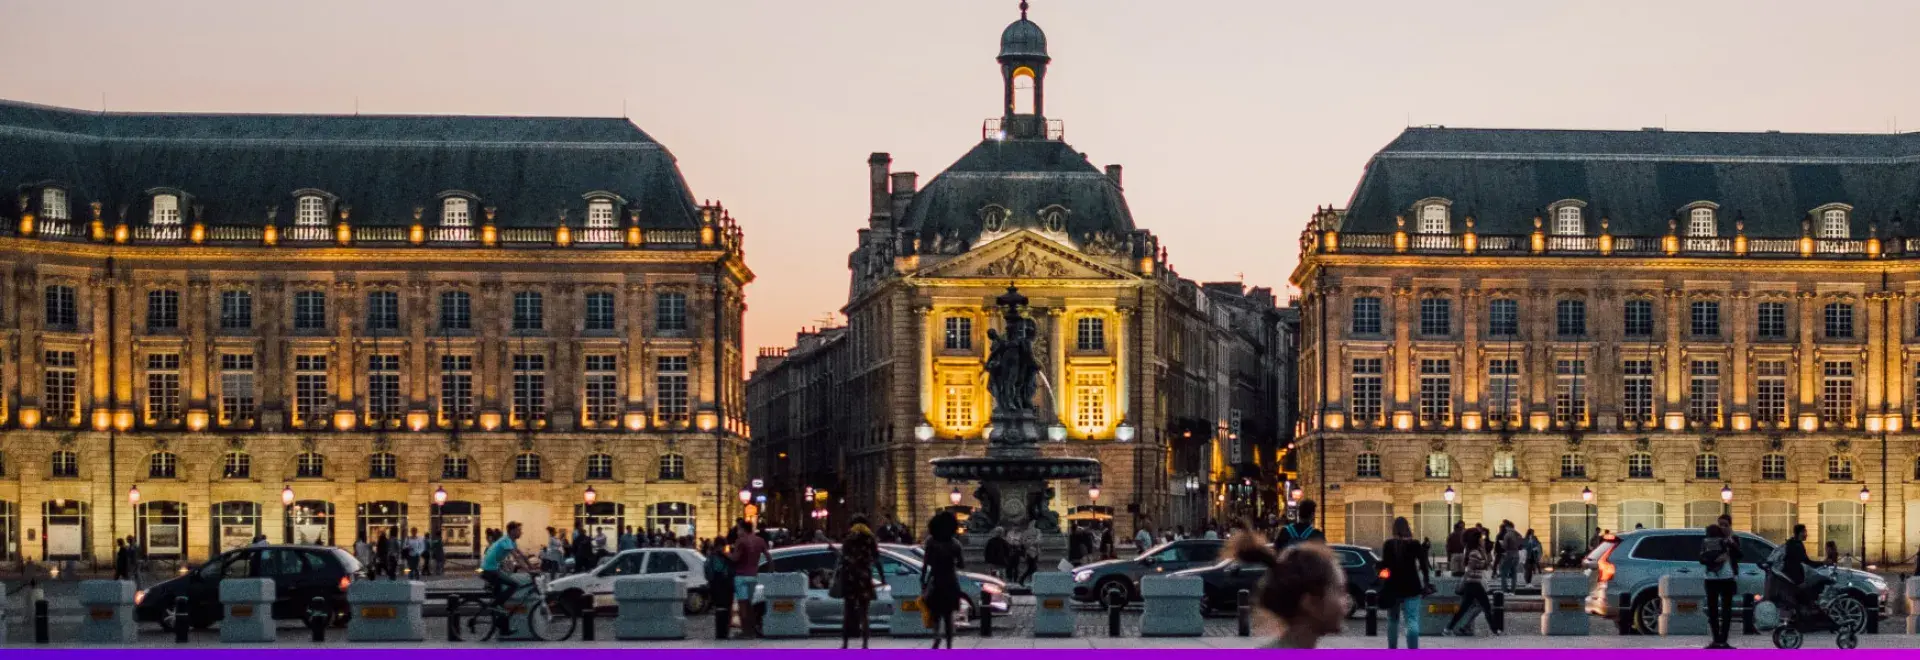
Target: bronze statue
[[1012, 371]]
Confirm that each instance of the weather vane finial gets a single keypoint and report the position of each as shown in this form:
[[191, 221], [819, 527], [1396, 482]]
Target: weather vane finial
[[1023, 10]]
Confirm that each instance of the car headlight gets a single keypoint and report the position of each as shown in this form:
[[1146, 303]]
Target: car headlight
[[1082, 576], [139, 596]]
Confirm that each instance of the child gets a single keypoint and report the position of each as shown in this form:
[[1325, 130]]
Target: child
[[1303, 589]]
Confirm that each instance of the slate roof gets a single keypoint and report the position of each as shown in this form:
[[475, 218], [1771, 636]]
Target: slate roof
[[1023, 176], [1023, 38], [236, 166], [1639, 180]]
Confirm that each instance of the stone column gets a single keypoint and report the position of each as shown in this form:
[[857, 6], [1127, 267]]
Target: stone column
[[1738, 328], [923, 362], [1402, 361], [1472, 366], [489, 360], [1122, 361], [635, 335]]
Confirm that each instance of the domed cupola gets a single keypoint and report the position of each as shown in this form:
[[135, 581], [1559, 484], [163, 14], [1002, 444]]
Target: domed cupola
[[1023, 73], [1023, 39]]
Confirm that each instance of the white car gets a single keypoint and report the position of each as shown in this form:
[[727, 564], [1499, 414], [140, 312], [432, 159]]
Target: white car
[[682, 563]]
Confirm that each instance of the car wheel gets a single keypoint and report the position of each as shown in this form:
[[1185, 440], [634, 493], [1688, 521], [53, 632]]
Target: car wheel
[[1851, 612], [166, 620], [698, 603], [1114, 592], [1646, 615]]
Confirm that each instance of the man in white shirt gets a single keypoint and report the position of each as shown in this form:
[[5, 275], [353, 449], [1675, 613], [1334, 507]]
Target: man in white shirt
[[1143, 538], [416, 551]]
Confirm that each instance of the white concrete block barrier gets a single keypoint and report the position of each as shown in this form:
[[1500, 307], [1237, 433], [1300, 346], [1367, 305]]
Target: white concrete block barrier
[[1913, 605], [1682, 606], [248, 617], [386, 611], [906, 621], [1563, 611], [109, 618], [651, 607], [786, 603], [1052, 604], [1441, 606], [1173, 606]]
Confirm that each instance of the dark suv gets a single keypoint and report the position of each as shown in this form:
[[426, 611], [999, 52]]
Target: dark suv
[[1117, 581], [1226, 578], [300, 573]]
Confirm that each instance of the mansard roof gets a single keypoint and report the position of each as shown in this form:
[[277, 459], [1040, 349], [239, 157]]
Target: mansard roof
[[1024, 177]]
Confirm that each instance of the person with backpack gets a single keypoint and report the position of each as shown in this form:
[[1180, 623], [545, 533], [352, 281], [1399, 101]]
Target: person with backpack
[[1720, 555], [1301, 529], [1473, 589]]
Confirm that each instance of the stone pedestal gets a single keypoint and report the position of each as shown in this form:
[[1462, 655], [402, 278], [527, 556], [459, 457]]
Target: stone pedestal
[[249, 611], [1680, 606], [651, 607], [109, 612], [1053, 604], [786, 606], [1173, 606], [1562, 611], [1441, 606], [386, 611]]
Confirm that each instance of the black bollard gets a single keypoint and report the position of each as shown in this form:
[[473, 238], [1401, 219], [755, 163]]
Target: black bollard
[[1243, 610], [40, 621], [1372, 601], [1623, 614], [182, 620], [1873, 614], [453, 618], [986, 616], [1497, 619], [1113, 621], [1746, 618], [722, 620], [319, 616], [586, 617]]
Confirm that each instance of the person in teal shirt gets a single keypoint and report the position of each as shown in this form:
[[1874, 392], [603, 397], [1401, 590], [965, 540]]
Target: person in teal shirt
[[501, 558]]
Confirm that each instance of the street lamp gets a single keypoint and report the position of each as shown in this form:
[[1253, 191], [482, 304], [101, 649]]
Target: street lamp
[[1057, 432], [1726, 500], [1298, 493], [440, 496], [133, 495], [923, 432], [954, 496], [1586, 497], [286, 496], [286, 510], [589, 496], [1124, 433], [746, 496], [1093, 493], [1864, 496], [1449, 496]]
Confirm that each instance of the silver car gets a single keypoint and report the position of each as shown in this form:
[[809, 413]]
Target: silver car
[[1628, 567], [819, 561]]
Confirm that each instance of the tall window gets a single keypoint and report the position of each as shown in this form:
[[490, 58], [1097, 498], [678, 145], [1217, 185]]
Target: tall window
[[529, 390], [309, 310], [1703, 392], [456, 390], [1839, 468], [312, 212], [600, 215], [64, 464], [1570, 318], [1366, 316], [456, 310], [454, 213], [1770, 321], [1770, 392], [166, 210], [1637, 319], [529, 311], [236, 390], [1505, 466], [1436, 317], [163, 310], [1839, 321], [599, 311], [670, 312], [1091, 335], [383, 391], [1773, 467], [600, 467], [1503, 392], [1367, 466], [1833, 224], [1090, 401], [670, 388], [310, 465], [1566, 222], [53, 204], [1433, 219], [236, 310], [163, 388], [1636, 392], [383, 311], [1365, 391], [1439, 466], [1640, 465], [1700, 223], [1573, 466], [61, 312], [312, 399], [1706, 319], [957, 410], [383, 465], [1570, 392], [62, 381], [1836, 394], [959, 333], [453, 467], [603, 390], [1706, 466], [1436, 391], [526, 467], [1503, 317], [673, 467], [236, 465]]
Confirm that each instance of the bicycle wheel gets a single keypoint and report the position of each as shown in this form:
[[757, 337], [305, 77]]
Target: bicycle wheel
[[476, 620], [552, 624]]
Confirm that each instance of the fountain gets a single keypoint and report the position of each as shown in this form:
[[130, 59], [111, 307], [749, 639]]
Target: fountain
[[1013, 477]]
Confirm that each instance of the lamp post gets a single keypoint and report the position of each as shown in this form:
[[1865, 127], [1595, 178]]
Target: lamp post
[[1864, 496], [1586, 499], [286, 510], [1726, 501], [439, 503], [1449, 496], [954, 496]]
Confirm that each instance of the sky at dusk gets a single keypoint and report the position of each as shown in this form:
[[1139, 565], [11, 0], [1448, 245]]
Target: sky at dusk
[[1234, 118]]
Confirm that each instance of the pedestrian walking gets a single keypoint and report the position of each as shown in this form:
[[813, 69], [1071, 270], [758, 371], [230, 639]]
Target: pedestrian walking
[[1404, 563], [555, 553], [1142, 538], [437, 552], [1533, 549], [122, 564], [859, 555], [582, 550], [1030, 542], [748, 549], [1106, 540], [1720, 556], [363, 552], [416, 551], [382, 555], [1303, 589], [1302, 528], [941, 581], [1473, 589], [1456, 547], [719, 569], [1510, 549]]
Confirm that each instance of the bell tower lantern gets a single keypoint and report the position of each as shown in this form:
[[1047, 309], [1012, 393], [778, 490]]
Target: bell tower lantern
[[1023, 71]]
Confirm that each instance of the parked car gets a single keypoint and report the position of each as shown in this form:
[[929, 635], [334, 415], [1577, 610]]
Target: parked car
[[1631, 565], [1117, 581], [677, 562], [1225, 579], [300, 573], [818, 561]]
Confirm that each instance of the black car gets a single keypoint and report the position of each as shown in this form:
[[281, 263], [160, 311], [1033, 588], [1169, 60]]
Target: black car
[[1225, 579], [300, 573], [1116, 582]]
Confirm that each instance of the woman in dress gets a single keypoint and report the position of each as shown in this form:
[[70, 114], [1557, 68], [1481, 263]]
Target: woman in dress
[[940, 588], [859, 553], [1303, 589]]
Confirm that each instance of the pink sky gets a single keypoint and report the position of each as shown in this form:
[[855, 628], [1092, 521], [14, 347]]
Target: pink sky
[[1234, 118]]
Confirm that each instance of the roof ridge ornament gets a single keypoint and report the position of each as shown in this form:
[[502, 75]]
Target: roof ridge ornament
[[1023, 10]]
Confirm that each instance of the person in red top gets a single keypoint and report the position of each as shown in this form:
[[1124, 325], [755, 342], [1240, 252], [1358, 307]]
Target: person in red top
[[748, 549]]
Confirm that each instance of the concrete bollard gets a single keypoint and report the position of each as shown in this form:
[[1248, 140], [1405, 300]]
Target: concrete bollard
[[1052, 592], [1172, 606], [786, 602], [1441, 606], [109, 606], [1561, 612], [906, 621], [1913, 605], [1113, 620], [1680, 606], [651, 607], [320, 615], [249, 611], [386, 611], [40, 617]]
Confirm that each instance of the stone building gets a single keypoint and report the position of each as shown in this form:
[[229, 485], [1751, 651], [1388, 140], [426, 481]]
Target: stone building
[[316, 327], [1581, 330], [797, 409]]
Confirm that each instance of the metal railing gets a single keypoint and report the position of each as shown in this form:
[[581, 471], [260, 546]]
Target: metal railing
[[381, 234], [597, 236], [452, 235], [673, 236], [1619, 245]]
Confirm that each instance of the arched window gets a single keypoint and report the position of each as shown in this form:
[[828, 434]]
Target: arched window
[[1367, 466], [163, 465], [310, 465], [1773, 520], [1773, 467], [526, 467], [1023, 91], [236, 465], [64, 463], [166, 210], [1505, 466], [600, 467], [1567, 221], [311, 211], [1439, 466], [453, 467], [454, 213], [600, 214], [383, 465], [1433, 219], [1706, 466], [1700, 223], [1833, 224], [673, 467], [1369, 524], [1573, 466], [1640, 465], [1839, 468]]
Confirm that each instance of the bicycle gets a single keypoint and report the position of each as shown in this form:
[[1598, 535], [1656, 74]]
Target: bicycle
[[542, 621]]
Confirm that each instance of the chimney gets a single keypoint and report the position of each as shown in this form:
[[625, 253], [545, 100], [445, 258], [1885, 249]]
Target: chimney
[[1113, 173], [877, 166], [904, 185]]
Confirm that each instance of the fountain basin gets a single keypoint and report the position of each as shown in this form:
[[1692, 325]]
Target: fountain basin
[[988, 468]]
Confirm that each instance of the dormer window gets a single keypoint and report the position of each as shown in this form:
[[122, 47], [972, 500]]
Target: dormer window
[[1833, 224], [1433, 219], [600, 214], [1700, 223], [166, 210], [53, 204], [454, 213], [1568, 222], [312, 211]]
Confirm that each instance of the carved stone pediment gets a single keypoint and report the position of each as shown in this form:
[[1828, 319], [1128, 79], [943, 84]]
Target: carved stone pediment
[[1024, 255]]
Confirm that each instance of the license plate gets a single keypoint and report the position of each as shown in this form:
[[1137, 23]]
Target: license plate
[[378, 613], [783, 606], [1686, 606], [910, 606], [242, 611], [1443, 608], [1053, 603], [101, 614]]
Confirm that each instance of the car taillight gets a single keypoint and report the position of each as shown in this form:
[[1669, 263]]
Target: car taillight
[[345, 581], [1384, 573], [1606, 567], [139, 596]]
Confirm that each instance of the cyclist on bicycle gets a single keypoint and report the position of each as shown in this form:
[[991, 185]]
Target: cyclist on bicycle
[[503, 558]]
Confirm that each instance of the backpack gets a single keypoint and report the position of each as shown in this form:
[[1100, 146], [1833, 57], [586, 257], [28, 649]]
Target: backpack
[[1713, 554]]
